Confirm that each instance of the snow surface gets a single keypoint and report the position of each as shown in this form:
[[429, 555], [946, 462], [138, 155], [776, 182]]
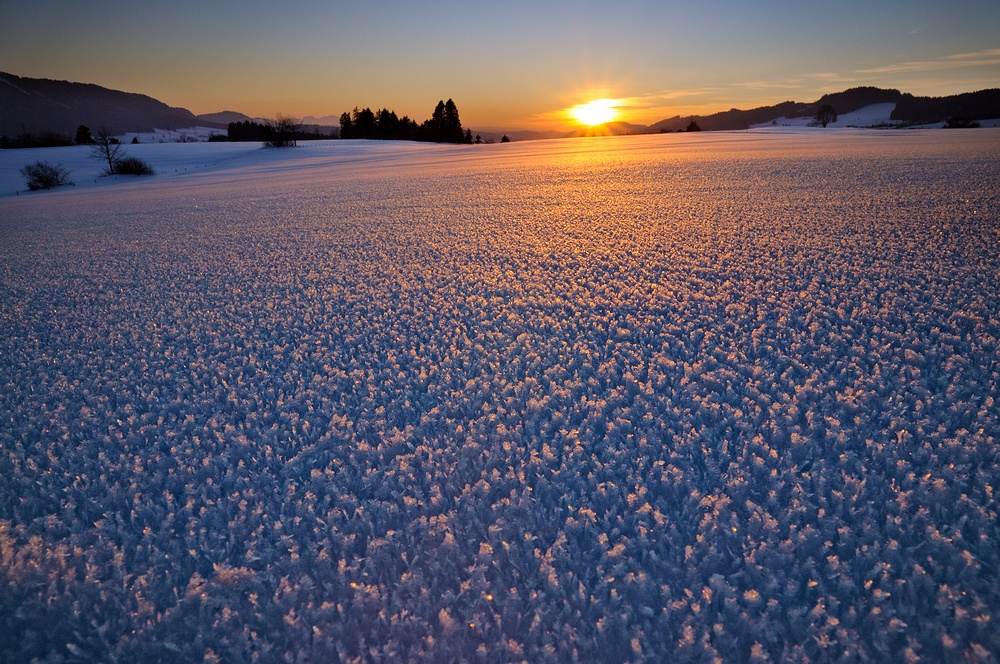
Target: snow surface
[[183, 159], [874, 115], [663, 398], [185, 135], [177, 163]]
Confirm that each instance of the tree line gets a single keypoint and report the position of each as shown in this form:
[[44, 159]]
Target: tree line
[[282, 131], [444, 125]]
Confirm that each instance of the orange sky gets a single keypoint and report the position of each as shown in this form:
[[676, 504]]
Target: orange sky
[[516, 65]]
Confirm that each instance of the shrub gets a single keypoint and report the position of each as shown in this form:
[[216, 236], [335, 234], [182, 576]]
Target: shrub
[[284, 132], [83, 136], [133, 166], [955, 122], [43, 175]]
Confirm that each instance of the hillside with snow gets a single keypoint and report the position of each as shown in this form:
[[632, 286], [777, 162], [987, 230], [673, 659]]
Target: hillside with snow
[[874, 115]]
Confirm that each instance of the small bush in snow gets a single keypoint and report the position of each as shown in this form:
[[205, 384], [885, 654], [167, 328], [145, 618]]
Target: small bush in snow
[[133, 166], [284, 131], [955, 122], [43, 175]]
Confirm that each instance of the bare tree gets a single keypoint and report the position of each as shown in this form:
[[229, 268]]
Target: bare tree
[[106, 148], [286, 130], [826, 114]]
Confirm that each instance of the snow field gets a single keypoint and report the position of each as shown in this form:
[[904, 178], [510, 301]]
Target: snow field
[[663, 397]]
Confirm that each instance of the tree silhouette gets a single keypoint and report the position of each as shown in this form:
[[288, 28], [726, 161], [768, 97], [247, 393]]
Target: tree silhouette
[[346, 125], [248, 131], [106, 148], [434, 129], [445, 125], [284, 132], [364, 123], [452, 125], [83, 136], [382, 125], [825, 115]]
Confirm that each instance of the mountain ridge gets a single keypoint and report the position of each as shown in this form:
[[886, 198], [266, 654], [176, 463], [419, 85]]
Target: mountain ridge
[[910, 109], [39, 105]]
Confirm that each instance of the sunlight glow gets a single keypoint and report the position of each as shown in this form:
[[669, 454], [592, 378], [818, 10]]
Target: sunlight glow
[[597, 112]]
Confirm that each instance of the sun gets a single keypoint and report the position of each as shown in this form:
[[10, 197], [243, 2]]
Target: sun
[[597, 112]]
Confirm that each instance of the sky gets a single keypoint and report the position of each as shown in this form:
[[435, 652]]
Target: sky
[[518, 64]]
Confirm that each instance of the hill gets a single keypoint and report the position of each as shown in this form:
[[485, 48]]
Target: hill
[[982, 105], [39, 105], [731, 119], [223, 118]]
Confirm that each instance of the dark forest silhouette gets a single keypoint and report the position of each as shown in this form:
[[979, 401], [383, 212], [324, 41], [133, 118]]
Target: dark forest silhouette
[[444, 126]]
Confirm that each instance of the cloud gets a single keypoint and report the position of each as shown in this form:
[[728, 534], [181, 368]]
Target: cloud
[[983, 58], [664, 98]]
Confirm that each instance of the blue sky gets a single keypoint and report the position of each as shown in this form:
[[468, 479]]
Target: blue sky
[[516, 64]]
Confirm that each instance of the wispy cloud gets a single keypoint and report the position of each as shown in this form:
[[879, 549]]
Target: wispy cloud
[[983, 58]]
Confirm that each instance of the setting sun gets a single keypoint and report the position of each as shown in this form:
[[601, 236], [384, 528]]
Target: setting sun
[[597, 112]]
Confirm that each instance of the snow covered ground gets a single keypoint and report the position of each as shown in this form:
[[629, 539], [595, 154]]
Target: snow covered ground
[[178, 161], [870, 116], [184, 135], [659, 398], [201, 164]]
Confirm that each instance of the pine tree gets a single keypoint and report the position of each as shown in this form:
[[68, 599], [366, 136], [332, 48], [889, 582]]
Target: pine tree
[[452, 125], [83, 136], [346, 126]]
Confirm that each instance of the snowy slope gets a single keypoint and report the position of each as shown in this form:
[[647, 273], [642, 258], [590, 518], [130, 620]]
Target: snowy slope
[[179, 161], [202, 163], [868, 116]]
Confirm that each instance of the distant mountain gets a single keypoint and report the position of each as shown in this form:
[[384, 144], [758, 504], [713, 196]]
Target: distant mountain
[[324, 121], [731, 119], [38, 105], [982, 105], [223, 118]]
